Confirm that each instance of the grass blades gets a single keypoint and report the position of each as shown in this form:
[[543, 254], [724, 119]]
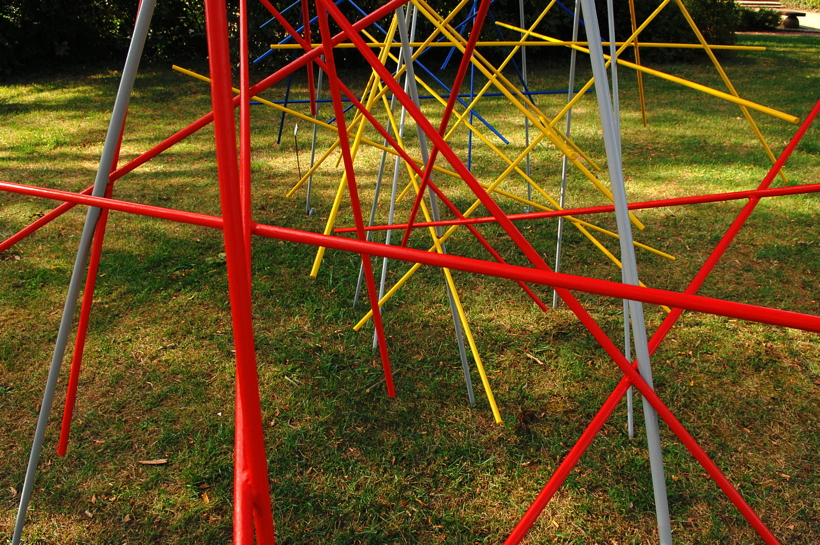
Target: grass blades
[[348, 465]]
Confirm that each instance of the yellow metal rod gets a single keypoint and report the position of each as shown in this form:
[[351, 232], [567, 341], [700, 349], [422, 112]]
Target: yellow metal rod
[[522, 43], [663, 75], [728, 82], [511, 91], [462, 316]]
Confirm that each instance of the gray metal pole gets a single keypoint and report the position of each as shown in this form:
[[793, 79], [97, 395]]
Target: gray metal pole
[[414, 94], [630, 414], [565, 163], [397, 163], [308, 208], [629, 264], [75, 285], [396, 170], [616, 108], [374, 206], [526, 88]]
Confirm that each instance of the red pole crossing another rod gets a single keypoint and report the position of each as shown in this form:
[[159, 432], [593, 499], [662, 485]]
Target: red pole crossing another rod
[[350, 174], [645, 205], [529, 518], [655, 296], [251, 474]]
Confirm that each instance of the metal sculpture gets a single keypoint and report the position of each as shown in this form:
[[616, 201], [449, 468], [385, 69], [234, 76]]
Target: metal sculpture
[[252, 506]]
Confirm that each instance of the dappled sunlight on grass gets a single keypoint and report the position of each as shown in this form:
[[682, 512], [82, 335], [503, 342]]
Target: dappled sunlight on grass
[[347, 464]]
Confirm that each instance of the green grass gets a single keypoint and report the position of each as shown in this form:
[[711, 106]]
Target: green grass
[[812, 5], [347, 464]]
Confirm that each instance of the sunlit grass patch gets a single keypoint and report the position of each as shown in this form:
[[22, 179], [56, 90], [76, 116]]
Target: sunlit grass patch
[[347, 464]]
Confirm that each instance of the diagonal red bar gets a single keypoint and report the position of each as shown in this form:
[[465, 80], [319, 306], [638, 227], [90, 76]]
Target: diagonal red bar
[[558, 477], [478, 24], [350, 174], [306, 33], [644, 205], [654, 296]]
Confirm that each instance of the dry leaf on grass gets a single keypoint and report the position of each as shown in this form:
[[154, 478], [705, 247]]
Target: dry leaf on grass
[[157, 462]]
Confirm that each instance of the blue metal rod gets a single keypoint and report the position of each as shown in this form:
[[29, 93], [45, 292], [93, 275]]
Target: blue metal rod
[[332, 119], [281, 12], [448, 90], [459, 27], [288, 38]]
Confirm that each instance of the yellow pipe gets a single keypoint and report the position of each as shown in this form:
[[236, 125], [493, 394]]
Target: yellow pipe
[[334, 210], [521, 43], [731, 87], [546, 129], [331, 220], [663, 75], [462, 316]]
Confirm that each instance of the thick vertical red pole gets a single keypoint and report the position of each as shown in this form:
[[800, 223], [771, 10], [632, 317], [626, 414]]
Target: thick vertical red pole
[[245, 516], [251, 477]]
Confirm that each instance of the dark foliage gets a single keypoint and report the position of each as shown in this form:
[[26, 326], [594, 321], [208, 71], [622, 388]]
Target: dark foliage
[[751, 20], [61, 33]]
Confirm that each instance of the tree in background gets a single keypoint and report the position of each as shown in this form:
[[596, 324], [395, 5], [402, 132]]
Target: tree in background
[[66, 33]]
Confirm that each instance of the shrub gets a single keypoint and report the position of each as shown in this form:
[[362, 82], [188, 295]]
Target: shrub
[[765, 19]]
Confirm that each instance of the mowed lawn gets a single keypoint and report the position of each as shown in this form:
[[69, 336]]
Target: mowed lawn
[[346, 463]]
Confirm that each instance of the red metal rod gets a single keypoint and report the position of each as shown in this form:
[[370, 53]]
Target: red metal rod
[[199, 123], [88, 301], [727, 239], [661, 203], [350, 174], [562, 472], [655, 296], [532, 514], [306, 34], [478, 24], [252, 473], [82, 331]]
